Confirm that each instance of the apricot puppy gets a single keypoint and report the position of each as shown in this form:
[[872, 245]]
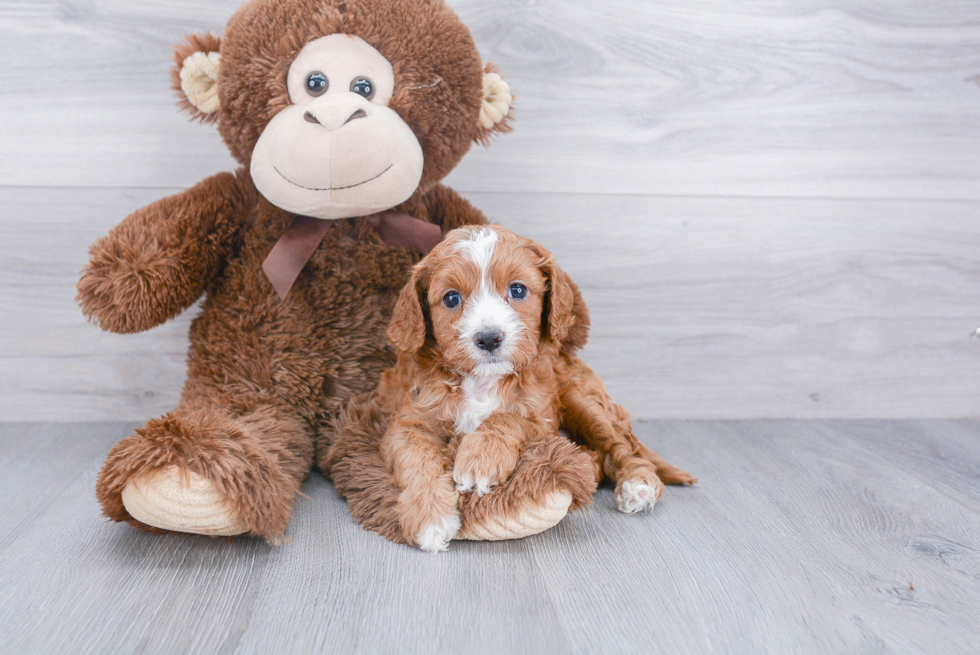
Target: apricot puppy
[[479, 329], [475, 376]]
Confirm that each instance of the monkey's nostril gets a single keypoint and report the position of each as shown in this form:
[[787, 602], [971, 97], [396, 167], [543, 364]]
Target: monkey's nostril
[[310, 118], [360, 113]]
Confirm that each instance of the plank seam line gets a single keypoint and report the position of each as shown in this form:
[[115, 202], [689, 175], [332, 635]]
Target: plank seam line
[[630, 194]]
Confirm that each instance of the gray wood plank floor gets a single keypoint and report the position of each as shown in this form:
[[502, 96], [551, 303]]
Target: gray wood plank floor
[[808, 537]]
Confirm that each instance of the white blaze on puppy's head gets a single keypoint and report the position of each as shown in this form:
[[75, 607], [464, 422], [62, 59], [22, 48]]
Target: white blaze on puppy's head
[[489, 326], [479, 247]]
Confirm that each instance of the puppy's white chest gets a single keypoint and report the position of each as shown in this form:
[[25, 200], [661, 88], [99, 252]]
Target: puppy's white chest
[[480, 400]]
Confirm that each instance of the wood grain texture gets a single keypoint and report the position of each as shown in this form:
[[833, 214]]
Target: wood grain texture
[[800, 537], [795, 539], [39, 461], [701, 307], [866, 98], [772, 207], [944, 455]]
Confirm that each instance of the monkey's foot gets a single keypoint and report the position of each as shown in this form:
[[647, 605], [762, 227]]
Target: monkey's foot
[[532, 519], [181, 502]]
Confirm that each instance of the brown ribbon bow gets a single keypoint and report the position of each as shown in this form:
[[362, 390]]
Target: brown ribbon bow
[[301, 239]]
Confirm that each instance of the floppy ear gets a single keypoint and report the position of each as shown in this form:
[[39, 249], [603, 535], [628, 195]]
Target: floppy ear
[[559, 313], [195, 75], [497, 104], [578, 333], [407, 329]]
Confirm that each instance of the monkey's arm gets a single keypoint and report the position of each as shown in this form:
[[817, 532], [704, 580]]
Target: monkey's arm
[[449, 210], [161, 258]]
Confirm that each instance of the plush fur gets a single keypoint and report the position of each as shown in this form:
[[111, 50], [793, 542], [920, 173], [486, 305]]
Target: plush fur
[[425, 466], [463, 413], [274, 385], [267, 378], [546, 465]]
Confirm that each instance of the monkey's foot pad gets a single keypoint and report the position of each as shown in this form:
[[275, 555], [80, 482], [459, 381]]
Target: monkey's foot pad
[[185, 502], [532, 519]]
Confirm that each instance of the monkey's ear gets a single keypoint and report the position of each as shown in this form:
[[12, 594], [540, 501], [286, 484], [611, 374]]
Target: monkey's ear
[[195, 75], [496, 108]]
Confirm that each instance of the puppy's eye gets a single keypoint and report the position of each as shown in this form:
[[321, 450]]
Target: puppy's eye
[[452, 299], [518, 291], [362, 86], [317, 84]]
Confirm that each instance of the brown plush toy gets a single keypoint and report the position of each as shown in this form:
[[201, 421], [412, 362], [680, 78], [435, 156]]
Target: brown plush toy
[[336, 110]]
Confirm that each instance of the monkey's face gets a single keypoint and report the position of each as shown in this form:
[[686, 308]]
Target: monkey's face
[[338, 150], [343, 108]]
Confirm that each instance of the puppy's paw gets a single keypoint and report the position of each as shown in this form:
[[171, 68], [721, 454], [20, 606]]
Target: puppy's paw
[[466, 483], [435, 537], [482, 462], [636, 495]]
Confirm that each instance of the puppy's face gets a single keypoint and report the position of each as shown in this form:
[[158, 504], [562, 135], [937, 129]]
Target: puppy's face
[[488, 299], [485, 297]]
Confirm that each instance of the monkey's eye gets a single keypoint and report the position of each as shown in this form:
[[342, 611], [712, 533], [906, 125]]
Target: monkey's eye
[[362, 86], [317, 84], [518, 291], [452, 299]]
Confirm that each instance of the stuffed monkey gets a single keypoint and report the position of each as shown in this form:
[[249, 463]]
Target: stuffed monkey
[[343, 117]]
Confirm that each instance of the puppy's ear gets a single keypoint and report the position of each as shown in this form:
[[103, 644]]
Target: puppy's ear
[[578, 333], [195, 75], [407, 329], [559, 313]]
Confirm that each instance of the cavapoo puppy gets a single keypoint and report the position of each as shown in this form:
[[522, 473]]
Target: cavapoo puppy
[[480, 369]]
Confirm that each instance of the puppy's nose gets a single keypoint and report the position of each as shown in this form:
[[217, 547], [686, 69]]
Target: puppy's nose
[[489, 340]]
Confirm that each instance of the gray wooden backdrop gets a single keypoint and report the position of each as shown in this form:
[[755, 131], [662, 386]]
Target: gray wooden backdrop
[[773, 208]]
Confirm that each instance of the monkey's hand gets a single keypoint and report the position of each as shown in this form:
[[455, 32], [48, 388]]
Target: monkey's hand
[[161, 258], [449, 210]]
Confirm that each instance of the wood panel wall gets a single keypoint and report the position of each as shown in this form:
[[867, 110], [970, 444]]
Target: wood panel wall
[[773, 208]]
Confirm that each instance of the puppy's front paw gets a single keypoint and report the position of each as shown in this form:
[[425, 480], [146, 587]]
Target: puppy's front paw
[[637, 495], [482, 463], [435, 537], [466, 482]]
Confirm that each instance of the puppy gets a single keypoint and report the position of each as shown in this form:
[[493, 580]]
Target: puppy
[[479, 329]]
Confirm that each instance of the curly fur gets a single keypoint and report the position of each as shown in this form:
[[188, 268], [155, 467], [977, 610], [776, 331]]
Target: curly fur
[[399, 442], [267, 377], [547, 464]]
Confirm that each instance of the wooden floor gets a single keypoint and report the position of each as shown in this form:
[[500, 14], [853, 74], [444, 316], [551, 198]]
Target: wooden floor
[[802, 536]]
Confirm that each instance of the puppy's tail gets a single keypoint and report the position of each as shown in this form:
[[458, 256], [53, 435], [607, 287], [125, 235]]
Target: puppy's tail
[[667, 473]]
